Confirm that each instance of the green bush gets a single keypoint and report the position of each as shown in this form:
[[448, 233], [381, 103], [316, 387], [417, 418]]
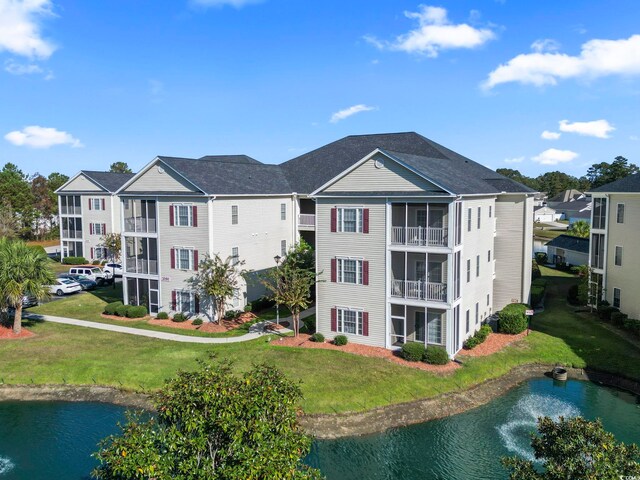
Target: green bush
[[484, 332], [74, 261], [471, 342], [541, 258], [317, 337], [111, 308], [605, 312], [121, 310], [412, 351], [535, 270], [196, 321], [247, 307], [512, 319], [38, 248], [310, 323], [340, 340], [540, 282], [179, 317], [262, 303], [136, 311], [436, 356], [231, 314], [633, 326], [162, 316], [618, 318], [95, 262], [479, 337], [537, 294]]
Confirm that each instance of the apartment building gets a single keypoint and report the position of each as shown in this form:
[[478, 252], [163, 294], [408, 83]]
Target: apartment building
[[88, 209], [615, 218]]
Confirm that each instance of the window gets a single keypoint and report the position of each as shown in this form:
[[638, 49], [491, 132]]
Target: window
[[599, 212], [350, 220], [349, 321], [183, 215], [618, 256], [597, 250], [141, 216], [420, 326], [96, 204], [71, 204], [236, 297], [184, 258], [468, 270], [477, 312], [349, 271], [490, 210], [456, 274], [479, 215], [234, 214], [620, 213], [283, 248], [185, 301], [487, 299], [469, 220], [99, 228], [477, 265], [458, 232], [283, 211], [100, 253], [489, 256], [235, 257], [468, 321], [434, 327], [616, 297]]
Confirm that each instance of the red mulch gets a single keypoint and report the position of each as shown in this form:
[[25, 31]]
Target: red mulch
[[7, 334], [125, 319], [365, 351], [209, 327], [494, 343]]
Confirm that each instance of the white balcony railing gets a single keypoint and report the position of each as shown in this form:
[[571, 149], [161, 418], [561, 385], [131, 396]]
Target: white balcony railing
[[418, 290], [419, 236], [141, 265], [140, 224], [306, 220], [71, 233]]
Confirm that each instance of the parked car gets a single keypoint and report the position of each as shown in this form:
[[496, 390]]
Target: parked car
[[64, 286], [85, 282], [115, 269], [93, 273], [29, 301]]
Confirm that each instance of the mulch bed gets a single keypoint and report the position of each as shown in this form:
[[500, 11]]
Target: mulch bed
[[7, 334], [208, 327], [494, 343], [366, 351]]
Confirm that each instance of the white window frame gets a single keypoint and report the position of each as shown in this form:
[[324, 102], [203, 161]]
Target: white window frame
[[234, 215], [96, 203], [468, 270], [176, 214], [340, 261], [618, 205], [179, 301], [615, 256], [477, 312], [97, 229], [100, 253], [477, 266], [469, 218], [235, 256], [359, 212], [479, 217], [340, 312], [283, 248], [468, 320], [177, 252], [430, 329], [616, 289], [283, 211]]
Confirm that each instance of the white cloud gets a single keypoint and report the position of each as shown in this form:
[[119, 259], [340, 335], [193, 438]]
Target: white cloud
[[514, 160], [21, 68], [598, 58], [634, 138], [553, 156], [434, 33], [347, 112], [547, 135], [545, 45], [41, 137], [223, 3], [596, 128], [20, 27]]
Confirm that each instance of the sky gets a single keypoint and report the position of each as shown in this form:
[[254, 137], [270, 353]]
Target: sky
[[535, 86]]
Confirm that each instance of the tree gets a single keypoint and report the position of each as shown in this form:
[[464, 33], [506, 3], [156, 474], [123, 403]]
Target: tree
[[290, 284], [518, 177], [120, 167], [602, 173], [113, 243], [580, 229], [23, 271], [212, 424], [44, 205], [576, 448], [556, 182], [8, 222], [15, 189], [218, 280]]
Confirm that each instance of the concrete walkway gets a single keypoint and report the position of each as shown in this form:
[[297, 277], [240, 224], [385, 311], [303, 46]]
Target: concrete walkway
[[255, 331]]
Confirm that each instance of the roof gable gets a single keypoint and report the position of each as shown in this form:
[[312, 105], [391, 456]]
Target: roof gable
[[81, 183], [158, 176]]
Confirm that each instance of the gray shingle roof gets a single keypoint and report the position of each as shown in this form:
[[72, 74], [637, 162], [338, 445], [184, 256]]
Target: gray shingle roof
[[568, 242], [629, 183], [235, 177], [454, 172], [109, 180], [230, 159], [576, 205]]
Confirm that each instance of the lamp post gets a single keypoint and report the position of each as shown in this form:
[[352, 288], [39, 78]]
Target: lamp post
[[277, 259]]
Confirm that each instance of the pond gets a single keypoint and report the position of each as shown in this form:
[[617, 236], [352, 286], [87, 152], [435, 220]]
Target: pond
[[44, 440]]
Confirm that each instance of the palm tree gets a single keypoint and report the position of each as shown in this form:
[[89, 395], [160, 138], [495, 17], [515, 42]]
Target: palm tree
[[23, 271], [579, 229]]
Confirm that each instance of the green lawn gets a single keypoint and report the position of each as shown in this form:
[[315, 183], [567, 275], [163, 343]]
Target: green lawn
[[331, 381], [550, 234]]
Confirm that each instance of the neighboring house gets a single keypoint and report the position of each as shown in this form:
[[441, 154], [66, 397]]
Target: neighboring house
[[88, 208], [540, 199], [570, 195], [545, 214], [614, 231], [569, 250], [584, 216], [568, 210]]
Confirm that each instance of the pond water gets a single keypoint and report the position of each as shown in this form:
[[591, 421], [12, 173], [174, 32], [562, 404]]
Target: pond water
[[54, 440]]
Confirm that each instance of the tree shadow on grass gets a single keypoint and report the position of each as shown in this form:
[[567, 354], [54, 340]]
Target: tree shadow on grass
[[107, 293]]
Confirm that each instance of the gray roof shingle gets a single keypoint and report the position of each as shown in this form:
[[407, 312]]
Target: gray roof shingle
[[568, 242], [109, 180], [630, 183]]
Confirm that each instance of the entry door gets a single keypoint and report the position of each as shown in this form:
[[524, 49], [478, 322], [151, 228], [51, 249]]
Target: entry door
[[420, 326], [154, 296]]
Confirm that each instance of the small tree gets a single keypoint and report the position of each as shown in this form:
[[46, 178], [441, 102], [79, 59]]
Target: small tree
[[8, 223], [212, 424], [218, 279], [23, 271], [579, 229], [113, 243], [575, 448]]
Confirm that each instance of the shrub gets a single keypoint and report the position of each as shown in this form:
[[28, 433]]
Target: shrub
[[539, 282], [317, 337], [39, 248], [605, 312], [436, 356], [74, 261], [310, 323], [479, 337], [247, 307], [541, 258], [633, 326], [471, 342], [179, 317], [95, 262], [121, 310], [512, 319], [196, 321], [262, 303], [618, 318], [138, 311], [484, 332], [537, 293], [412, 351], [56, 258], [162, 316], [111, 308], [340, 340], [535, 270], [231, 314]]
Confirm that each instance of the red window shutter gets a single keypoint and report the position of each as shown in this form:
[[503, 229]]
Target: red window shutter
[[365, 220], [92, 256], [194, 214], [334, 320], [333, 270], [91, 229], [171, 215], [365, 324], [173, 258], [174, 301], [334, 219], [89, 204], [103, 204], [197, 304], [195, 260], [104, 228], [365, 272]]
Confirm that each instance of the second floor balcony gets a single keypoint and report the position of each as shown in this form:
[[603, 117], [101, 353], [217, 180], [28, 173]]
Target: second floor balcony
[[420, 236], [419, 290], [419, 276], [307, 221], [420, 224]]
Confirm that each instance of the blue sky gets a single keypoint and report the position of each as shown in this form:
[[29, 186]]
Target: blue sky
[[84, 84]]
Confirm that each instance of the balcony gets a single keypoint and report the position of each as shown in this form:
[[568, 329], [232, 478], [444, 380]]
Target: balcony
[[420, 236], [71, 233], [141, 265], [419, 290], [307, 221], [420, 224], [140, 224]]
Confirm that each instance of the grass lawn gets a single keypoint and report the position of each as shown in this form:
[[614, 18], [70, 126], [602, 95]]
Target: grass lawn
[[44, 243], [331, 381], [550, 234]]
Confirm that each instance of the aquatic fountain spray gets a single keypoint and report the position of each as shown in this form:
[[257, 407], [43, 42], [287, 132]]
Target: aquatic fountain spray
[[5, 465]]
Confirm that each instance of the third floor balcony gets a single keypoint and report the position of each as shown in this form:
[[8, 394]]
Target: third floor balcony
[[420, 224]]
